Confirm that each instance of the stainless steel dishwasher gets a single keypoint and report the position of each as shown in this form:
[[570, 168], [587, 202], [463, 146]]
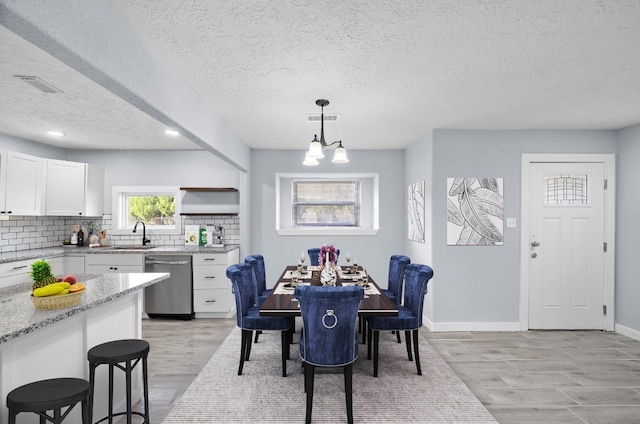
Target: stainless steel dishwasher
[[171, 298]]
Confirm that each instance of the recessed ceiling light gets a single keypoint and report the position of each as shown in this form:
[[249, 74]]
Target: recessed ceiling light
[[56, 133], [172, 133]]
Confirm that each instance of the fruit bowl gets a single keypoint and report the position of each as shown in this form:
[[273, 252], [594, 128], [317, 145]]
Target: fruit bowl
[[55, 302]]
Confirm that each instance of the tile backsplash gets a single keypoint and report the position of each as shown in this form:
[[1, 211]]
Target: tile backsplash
[[35, 232]]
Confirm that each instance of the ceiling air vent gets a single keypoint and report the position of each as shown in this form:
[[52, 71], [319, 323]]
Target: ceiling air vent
[[39, 84], [327, 117]]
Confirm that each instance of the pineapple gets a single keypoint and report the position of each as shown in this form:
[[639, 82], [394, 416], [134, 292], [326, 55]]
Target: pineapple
[[41, 274]]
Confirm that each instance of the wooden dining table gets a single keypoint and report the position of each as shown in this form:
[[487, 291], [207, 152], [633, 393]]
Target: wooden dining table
[[281, 301]]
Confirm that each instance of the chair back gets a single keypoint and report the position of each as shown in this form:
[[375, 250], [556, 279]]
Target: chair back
[[416, 277], [257, 262], [314, 256], [329, 316], [242, 283], [397, 264]]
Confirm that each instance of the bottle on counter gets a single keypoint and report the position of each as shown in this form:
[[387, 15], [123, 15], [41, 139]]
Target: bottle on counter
[[74, 238], [80, 238]]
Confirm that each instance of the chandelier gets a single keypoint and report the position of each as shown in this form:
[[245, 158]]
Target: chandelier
[[315, 148]]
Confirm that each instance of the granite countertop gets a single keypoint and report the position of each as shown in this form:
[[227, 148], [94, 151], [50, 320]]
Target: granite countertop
[[19, 317], [66, 250]]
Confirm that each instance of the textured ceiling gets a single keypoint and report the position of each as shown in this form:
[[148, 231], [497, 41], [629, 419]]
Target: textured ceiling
[[89, 115], [392, 70]]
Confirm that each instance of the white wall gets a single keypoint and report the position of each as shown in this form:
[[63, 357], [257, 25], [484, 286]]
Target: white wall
[[373, 252]]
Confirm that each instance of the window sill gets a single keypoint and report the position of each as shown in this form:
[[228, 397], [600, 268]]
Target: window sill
[[327, 231]]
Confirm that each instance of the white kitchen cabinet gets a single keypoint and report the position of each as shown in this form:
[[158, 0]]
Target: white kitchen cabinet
[[105, 263], [24, 185], [212, 295], [73, 264], [19, 271], [74, 189], [3, 180]]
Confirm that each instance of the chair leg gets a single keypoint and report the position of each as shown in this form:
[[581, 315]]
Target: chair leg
[[348, 389], [398, 336], [407, 338], [369, 335], [309, 372], [255, 340], [415, 351], [376, 339], [365, 326], [248, 348], [246, 334], [284, 340]]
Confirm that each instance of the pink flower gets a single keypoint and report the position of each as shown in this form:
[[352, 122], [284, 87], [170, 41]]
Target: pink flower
[[333, 256]]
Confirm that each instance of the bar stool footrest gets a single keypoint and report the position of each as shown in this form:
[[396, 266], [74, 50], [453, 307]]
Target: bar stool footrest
[[115, 414]]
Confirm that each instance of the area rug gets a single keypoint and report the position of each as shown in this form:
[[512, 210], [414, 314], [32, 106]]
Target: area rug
[[262, 395]]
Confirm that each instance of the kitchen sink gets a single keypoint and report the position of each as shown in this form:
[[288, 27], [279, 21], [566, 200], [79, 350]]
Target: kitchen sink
[[133, 247]]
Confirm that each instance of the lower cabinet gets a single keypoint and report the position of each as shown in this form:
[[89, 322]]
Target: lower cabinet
[[103, 263], [73, 264], [20, 271], [212, 295]]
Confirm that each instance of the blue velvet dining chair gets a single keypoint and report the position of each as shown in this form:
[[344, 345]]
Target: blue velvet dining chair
[[248, 314], [409, 319], [397, 263], [328, 337], [314, 256], [261, 292]]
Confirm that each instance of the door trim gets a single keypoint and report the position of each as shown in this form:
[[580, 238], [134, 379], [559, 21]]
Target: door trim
[[609, 161]]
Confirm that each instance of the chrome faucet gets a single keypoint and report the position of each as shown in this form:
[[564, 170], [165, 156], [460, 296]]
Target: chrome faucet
[[145, 240]]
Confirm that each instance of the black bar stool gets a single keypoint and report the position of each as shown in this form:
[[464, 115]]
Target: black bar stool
[[129, 351], [50, 395]]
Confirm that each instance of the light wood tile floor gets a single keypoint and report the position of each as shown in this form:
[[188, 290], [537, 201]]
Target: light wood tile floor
[[568, 377], [529, 377]]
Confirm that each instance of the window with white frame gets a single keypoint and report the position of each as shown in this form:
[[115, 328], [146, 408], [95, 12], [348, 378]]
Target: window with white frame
[[338, 204], [157, 207], [333, 203]]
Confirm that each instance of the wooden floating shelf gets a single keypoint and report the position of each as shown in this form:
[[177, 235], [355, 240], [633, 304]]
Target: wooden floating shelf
[[208, 214], [219, 189]]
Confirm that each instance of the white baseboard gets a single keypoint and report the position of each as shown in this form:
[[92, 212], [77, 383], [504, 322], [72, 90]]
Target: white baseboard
[[504, 326], [626, 331], [471, 326]]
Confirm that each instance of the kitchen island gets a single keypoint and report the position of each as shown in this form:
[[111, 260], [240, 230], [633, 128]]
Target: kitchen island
[[40, 344]]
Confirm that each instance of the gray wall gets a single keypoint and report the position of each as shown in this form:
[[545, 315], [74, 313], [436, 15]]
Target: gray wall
[[159, 168], [372, 251], [33, 148], [627, 228], [419, 167], [482, 284]]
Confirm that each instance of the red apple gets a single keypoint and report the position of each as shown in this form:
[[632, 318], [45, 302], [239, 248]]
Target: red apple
[[59, 279], [71, 279]]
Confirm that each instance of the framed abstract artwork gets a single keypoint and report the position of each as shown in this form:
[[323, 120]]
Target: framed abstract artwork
[[415, 210], [475, 211]]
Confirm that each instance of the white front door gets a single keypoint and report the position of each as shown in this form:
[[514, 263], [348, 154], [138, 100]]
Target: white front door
[[566, 245]]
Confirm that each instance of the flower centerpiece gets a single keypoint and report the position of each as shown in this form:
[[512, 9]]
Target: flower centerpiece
[[322, 256], [327, 259]]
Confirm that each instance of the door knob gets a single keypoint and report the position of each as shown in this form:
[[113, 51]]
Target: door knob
[[534, 255], [535, 244]]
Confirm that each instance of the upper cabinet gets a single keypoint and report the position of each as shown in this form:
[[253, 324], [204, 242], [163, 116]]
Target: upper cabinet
[[74, 189], [31, 185], [210, 201], [23, 184]]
